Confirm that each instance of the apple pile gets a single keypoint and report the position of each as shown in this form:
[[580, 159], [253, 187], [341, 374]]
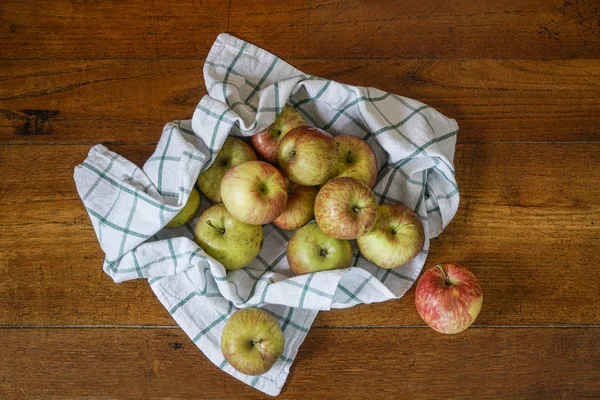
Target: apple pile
[[300, 174], [292, 175]]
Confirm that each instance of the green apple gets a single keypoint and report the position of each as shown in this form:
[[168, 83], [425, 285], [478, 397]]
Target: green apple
[[299, 208], [396, 238], [356, 159], [231, 242], [233, 152], [267, 141], [252, 341], [345, 208], [188, 211], [311, 250], [254, 192], [307, 156]]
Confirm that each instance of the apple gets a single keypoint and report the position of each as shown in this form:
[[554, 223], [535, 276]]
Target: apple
[[233, 152], [231, 242], [448, 298], [396, 238], [252, 341], [299, 208], [345, 208], [254, 192], [267, 141], [311, 250], [356, 159], [307, 156], [188, 211]]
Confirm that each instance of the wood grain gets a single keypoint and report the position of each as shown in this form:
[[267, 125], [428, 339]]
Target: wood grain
[[532, 245], [391, 363], [129, 101], [554, 29]]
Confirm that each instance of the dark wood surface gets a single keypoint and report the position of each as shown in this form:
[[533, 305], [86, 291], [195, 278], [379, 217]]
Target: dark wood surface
[[521, 78]]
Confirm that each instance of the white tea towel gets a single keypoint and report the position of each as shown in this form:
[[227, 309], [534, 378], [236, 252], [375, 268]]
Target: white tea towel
[[247, 88]]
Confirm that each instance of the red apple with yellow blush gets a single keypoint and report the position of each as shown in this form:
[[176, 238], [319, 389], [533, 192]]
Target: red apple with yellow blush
[[448, 298]]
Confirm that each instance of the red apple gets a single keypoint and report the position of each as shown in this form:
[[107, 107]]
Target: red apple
[[448, 298], [234, 152], [267, 141], [254, 192], [345, 208], [307, 156], [300, 207], [356, 159]]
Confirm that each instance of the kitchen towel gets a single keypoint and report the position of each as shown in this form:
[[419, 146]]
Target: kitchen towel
[[247, 87]]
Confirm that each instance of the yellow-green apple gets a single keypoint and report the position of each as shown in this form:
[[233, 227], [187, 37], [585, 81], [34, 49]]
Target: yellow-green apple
[[252, 341], [233, 152], [448, 298], [345, 208], [254, 192], [188, 211], [299, 208], [267, 141], [356, 159], [307, 156], [226, 239], [311, 250], [396, 238]]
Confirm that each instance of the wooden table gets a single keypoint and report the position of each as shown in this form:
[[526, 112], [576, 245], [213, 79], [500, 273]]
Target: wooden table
[[522, 78]]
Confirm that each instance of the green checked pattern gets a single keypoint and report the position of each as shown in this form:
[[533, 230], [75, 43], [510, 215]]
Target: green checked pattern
[[247, 88]]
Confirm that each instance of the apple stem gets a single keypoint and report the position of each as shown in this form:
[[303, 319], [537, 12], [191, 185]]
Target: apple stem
[[220, 230], [446, 279]]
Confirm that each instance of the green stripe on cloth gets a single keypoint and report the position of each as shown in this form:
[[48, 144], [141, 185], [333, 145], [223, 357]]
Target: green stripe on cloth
[[100, 177], [399, 124], [115, 226], [233, 72], [262, 80], [310, 289], [173, 256], [228, 72], [127, 190], [354, 296], [162, 160], [291, 323], [137, 265], [182, 302], [305, 289], [288, 318], [213, 324]]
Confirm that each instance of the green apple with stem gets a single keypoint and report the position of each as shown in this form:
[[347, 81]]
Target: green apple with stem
[[396, 238], [345, 208], [356, 159], [254, 192], [311, 250], [299, 208], [188, 211], [252, 341], [307, 156], [231, 242], [233, 152], [267, 141]]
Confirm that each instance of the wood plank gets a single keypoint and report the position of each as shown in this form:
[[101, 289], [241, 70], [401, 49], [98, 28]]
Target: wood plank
[[129, 101], [527, 226], [82, 29], [391, 363], [553, 29]]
